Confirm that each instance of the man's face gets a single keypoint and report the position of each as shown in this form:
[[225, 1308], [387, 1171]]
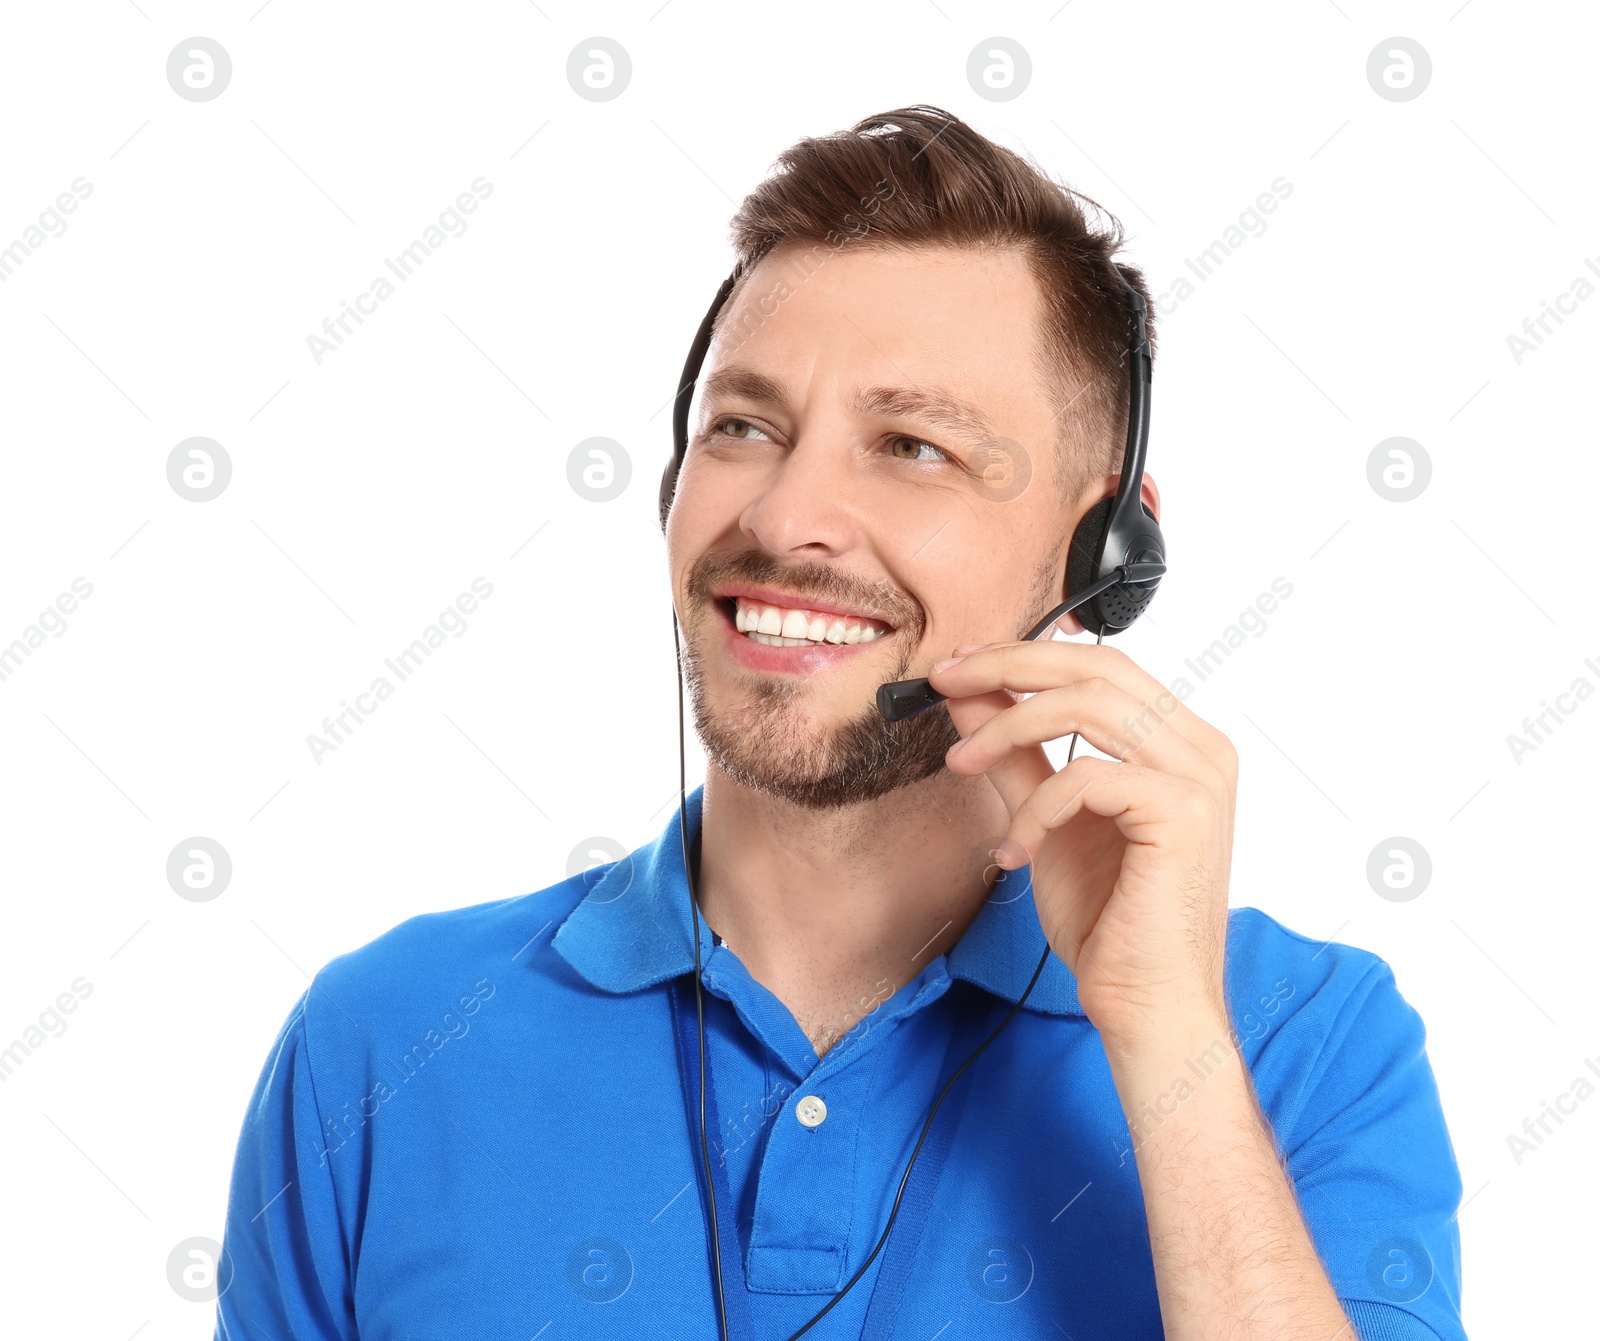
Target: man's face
[[870, 481]]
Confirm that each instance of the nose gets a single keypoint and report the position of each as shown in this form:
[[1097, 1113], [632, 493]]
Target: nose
[[805, 505]]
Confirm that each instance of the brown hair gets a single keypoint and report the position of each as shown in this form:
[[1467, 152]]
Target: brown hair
[[919, 176]]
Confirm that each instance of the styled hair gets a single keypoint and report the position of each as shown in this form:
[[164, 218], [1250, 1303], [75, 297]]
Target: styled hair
[[920, 176]]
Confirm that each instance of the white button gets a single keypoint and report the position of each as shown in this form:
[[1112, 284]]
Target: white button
[[811, 1111]]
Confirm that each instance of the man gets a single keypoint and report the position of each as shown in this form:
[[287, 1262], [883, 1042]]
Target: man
[[1198, 1124]]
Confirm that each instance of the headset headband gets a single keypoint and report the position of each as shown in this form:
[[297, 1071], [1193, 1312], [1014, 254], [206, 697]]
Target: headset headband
[[680, 402]]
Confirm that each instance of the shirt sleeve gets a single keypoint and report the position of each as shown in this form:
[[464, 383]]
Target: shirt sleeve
[[1374, 1169], [286, 1263]]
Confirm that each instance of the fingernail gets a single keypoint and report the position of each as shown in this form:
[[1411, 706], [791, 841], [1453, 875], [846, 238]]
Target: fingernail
[[956, 748], [947, 663], [1011, 854]]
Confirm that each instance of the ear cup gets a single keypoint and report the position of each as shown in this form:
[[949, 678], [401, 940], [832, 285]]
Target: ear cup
[[1084, 557], [1082, 568]]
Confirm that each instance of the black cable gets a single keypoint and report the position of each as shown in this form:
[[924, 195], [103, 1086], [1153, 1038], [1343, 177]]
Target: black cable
[[699, 1005], [699, 1010]]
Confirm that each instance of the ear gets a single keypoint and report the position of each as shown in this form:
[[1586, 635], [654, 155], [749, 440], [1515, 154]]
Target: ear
[[1149, 495]]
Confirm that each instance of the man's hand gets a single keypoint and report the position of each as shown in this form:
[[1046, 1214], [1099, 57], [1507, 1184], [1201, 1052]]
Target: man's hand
[[1130, 858], [1130, 863]]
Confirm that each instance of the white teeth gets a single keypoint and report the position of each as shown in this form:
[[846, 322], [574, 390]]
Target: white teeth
[[776, 626]]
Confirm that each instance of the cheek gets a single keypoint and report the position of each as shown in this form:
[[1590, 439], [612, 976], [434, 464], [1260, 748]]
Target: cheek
[[696, 521], [985, 588], [711, 497], [959, 597]]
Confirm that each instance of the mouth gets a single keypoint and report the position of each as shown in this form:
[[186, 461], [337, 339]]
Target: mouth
[[774, 619]]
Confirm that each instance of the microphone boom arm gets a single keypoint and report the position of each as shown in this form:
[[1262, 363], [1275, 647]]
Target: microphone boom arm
[[905, 698]]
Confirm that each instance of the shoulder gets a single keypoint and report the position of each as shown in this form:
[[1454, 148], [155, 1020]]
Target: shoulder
[[429, 969], [1269, 966], [1322, 1025]]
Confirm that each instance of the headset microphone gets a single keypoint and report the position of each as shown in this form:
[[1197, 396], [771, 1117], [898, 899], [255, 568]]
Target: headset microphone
[[1114, 563]]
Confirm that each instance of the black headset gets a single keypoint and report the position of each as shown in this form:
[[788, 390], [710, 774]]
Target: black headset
[[1114, 564]]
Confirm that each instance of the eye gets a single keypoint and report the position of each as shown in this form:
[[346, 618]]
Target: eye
[[734, 427], [910, 449]]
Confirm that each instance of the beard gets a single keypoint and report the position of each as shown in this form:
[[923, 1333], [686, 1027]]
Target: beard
[[765, 744]]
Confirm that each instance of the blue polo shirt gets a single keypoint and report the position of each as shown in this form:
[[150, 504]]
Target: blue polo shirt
[[482, 1125]]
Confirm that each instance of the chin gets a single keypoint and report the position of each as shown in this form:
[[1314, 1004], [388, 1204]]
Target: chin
[[779, 750]]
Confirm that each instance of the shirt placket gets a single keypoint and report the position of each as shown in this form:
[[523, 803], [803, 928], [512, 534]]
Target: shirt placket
[[806, 1179], [815, 1148]]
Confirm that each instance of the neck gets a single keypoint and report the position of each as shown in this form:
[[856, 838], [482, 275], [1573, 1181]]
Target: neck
[[833, 910]]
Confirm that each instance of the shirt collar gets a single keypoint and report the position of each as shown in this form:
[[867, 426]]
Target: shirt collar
[[633, 929]]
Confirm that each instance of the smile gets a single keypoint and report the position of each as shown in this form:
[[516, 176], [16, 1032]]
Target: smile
[[784, 626], [772, 623]]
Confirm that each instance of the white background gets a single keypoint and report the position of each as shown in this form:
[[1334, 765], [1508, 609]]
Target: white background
[[431, 449]]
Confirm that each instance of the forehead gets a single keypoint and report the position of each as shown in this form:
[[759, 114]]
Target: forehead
[[957, 317]]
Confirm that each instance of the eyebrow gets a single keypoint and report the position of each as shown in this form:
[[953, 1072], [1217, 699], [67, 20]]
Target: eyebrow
[[937, 408]]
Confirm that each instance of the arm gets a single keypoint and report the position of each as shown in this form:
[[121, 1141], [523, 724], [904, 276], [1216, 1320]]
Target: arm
[[1129, 868], [1232, 1254], [284, 1273]]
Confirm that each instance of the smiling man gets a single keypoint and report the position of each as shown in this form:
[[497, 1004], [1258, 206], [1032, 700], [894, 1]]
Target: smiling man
[[1196, 1124]]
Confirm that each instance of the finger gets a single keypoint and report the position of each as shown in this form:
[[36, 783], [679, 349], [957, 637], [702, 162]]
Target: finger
[[1147, 805], [1030, 667], [1098, 859], [969, 713], [1102, 713], [1017, 775]]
